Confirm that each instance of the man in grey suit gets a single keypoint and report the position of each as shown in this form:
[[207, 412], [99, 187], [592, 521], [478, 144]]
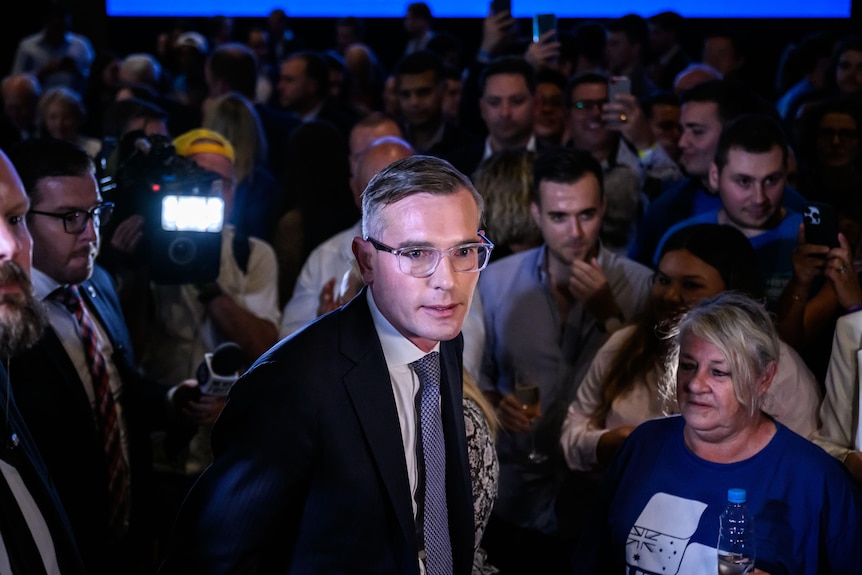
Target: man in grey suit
[[323, 460]]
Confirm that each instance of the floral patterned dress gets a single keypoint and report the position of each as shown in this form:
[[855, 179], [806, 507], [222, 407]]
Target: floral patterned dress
[[484, 469]]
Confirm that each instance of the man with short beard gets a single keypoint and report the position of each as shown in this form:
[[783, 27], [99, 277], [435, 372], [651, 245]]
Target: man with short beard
[[36, 536], [81, 376]]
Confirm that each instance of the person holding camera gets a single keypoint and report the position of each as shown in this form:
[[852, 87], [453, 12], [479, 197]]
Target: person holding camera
[[191, 316]]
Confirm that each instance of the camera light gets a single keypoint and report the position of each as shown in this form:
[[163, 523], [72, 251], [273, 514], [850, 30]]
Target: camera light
[[192, 213]]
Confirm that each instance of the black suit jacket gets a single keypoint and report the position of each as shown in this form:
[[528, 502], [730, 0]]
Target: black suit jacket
[[32, 469], [309, 473], [54, 403], [278, 125]]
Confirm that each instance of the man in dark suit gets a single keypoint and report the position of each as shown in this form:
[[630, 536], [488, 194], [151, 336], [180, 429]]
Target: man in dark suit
[[303, 88], [24, 479], [420, 85], [100, 461], [324, 461]]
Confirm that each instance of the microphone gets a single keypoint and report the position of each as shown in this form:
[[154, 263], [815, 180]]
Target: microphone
[[220, 369]]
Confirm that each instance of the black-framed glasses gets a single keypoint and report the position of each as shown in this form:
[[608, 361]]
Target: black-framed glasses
[[75, 222], [590, 104], [422, 261]]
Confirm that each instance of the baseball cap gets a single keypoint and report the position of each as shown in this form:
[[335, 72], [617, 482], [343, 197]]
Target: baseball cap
[[200, 141]]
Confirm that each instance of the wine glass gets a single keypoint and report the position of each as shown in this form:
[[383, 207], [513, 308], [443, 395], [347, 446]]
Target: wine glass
[[527, 393]]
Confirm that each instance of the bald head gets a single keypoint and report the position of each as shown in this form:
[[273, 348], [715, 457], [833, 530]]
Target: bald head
[[363, 134], [371, 128], [379, 154], [21, 93]]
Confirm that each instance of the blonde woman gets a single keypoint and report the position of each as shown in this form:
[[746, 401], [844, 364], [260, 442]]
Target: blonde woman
[[257, 195], [62, 116], [505, 180]]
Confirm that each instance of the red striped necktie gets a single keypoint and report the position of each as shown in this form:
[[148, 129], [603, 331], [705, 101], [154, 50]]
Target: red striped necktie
[[106, 408]]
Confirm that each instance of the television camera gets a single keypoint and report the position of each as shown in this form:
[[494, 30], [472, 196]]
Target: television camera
[[181, 204]]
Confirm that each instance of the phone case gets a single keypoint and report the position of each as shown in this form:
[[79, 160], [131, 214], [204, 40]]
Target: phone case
[[501, 6], [542, 23], [618, 85], [821, 226]]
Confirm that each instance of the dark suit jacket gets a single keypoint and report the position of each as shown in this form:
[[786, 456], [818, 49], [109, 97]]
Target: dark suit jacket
[[278, 125], [54, 403], [35, 475], [456, 145], [309, 473]]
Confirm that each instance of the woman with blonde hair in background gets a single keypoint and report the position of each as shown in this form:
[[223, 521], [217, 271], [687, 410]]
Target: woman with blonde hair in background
[[505, 180], [258, 199], [62, 116]]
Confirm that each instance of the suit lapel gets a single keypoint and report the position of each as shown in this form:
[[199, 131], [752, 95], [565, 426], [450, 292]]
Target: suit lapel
[[370, 389], [459, 488]]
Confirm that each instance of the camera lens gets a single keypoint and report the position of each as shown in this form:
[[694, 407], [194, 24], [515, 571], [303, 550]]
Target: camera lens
[[182, 251]]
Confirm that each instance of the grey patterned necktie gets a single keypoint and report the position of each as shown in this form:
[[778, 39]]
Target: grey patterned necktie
[[438, 547]]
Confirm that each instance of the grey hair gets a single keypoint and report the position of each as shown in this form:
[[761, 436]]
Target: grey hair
[[742, 330], [412, 175]]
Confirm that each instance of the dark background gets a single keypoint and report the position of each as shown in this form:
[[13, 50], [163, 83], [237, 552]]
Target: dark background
[[766, 39]]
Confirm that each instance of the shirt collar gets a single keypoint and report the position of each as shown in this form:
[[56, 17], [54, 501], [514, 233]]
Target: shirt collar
[[397, 349], [531, 146], [43, 285]]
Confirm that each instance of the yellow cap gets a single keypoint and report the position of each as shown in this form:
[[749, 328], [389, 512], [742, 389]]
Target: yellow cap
[[201, 141]]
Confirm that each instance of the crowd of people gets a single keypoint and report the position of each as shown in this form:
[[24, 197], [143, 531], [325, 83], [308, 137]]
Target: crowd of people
[[664, 254]]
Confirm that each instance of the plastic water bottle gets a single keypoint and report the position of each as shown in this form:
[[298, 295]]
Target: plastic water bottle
[[735, 536]]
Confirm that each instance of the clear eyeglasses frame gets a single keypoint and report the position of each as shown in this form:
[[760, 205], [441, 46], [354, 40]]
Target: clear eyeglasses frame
[[422, 261], [75, 222]]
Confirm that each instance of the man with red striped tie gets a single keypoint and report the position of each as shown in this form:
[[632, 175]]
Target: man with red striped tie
[[87, 407]]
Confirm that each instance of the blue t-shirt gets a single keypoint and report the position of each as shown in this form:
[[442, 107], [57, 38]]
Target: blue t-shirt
[[774, 249], [663, 502], [686, 199]]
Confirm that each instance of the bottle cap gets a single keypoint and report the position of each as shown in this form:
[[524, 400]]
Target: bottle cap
[[736, 495]]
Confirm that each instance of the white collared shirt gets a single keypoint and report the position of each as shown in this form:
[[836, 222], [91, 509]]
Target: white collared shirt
[[399, 353], [531, 146], [65, 326]]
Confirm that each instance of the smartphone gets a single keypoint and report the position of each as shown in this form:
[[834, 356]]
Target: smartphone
[[501, 6], [618, 85], [542, 23], [821, 225]]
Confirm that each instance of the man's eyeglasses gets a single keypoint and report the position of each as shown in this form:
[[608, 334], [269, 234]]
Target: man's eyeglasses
[[590, 104], [422, 261], [76, 222]]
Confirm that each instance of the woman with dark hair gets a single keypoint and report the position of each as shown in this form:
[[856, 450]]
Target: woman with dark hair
[[845, 71], [830, 172], [622, 389], [830, 158]]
